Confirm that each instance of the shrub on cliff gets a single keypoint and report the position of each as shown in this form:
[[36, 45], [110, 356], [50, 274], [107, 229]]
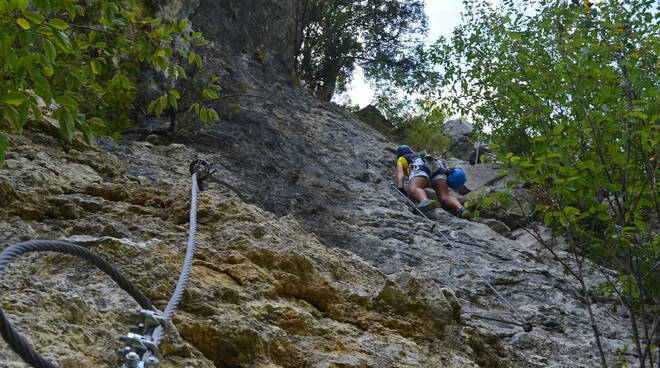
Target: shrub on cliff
[[570, 90], [79, 61]]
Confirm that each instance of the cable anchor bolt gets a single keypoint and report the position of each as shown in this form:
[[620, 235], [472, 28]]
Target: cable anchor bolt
[[203, 169], [139, 344]]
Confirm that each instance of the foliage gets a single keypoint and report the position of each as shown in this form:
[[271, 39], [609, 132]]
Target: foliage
[[79, 61], [421, 130], [425, 135], [333, 36], [571, 91]]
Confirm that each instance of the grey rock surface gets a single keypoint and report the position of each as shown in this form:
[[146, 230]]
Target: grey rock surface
[[303, 244], [263, 292], [459, 132], [292, 155]]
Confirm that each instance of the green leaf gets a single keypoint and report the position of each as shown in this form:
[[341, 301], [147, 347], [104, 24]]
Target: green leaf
[[70, 10], [12, 117], [96, 123], [58, 24], [152, 105], [641, 225], [67, 125], [35, 18], [23, 23], [213, 115], [45, 30], [62, 41], [161, 105], [19, 4], [67, 102], [173, 102], [198, 61], [209, 94], [23, 114], [558, 129], [96, 67], [36, 111], [49, 49], [175, 93], [181, 72], [13, 98], [4, 147], [203, 115]]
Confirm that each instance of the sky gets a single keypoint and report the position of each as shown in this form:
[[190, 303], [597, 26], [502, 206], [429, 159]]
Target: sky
[[443, 15]]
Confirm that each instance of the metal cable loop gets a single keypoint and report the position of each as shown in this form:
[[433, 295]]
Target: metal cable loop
[[11, 336]]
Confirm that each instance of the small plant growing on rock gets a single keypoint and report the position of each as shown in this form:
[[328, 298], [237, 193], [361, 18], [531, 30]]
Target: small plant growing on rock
[[259, 55]]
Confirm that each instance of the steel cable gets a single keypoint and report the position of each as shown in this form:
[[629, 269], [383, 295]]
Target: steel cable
[[23, 348], [168, 313], [526, 325], [11, 336]]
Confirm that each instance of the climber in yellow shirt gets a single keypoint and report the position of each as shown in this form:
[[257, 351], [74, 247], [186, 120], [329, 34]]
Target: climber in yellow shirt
[[415, 167]]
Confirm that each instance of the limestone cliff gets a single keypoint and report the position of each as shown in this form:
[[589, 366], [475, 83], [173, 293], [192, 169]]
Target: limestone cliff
[[306, 257], [264, 292]]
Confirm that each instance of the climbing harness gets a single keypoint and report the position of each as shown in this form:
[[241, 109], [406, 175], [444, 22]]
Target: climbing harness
[[527, 327], [141, 344]]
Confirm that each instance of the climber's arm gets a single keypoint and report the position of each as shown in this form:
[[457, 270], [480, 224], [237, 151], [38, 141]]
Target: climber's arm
[[399, 175]]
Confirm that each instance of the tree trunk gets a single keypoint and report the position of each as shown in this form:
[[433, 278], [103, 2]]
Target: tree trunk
[[329, 74], [594, 324]]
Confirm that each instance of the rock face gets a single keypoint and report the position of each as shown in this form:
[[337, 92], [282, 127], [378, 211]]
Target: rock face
[[248, 27], [459, 132], [263, 291], [306, 256]]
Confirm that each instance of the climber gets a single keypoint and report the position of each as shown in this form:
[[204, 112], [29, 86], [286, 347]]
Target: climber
[[416, 167]]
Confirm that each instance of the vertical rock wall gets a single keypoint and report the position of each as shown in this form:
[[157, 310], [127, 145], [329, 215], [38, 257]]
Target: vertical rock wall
[[261, 29]]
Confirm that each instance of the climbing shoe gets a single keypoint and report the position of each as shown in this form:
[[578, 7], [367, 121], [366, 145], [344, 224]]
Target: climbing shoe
[[427, 205], [464, 213]]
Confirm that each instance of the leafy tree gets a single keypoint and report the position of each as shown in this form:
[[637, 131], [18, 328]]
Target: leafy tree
[[79, 61], [571, 92], [335, 36]]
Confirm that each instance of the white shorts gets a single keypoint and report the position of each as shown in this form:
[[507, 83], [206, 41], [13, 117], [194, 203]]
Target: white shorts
[[416, 173], [438, 176]]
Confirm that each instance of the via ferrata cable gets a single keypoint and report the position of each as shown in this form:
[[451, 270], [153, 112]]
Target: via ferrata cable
[[527, 327]]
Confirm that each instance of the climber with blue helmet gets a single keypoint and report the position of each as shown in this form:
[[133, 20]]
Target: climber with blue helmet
[[416, 167]]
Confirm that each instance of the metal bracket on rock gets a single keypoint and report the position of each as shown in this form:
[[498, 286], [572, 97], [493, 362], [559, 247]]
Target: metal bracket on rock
[[140, 351], [203, 169]]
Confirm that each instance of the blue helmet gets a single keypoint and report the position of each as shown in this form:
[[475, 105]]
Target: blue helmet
[[402, 150], [456, 178]]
